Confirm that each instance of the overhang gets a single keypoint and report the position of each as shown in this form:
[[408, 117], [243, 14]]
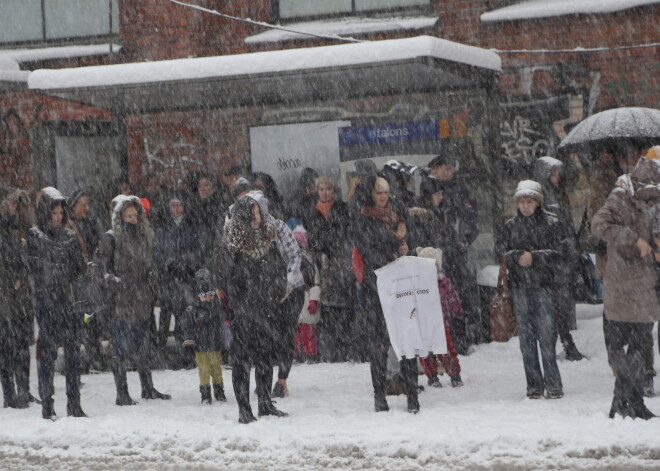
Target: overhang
[[417, 64]]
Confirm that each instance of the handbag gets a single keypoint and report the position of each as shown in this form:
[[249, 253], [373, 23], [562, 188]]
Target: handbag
[[502, 320]]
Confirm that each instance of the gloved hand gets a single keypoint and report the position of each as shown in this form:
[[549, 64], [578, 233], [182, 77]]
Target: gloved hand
[[112, 281], [312, 307], [188, 343]]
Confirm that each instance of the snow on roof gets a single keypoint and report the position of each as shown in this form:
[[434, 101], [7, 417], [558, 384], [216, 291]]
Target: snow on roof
[[264, 62], [344, 27], [66, 52], [547, 8], [11, 58]]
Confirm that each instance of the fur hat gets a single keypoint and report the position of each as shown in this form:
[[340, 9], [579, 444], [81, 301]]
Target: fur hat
[[530, 189], [434, 253]]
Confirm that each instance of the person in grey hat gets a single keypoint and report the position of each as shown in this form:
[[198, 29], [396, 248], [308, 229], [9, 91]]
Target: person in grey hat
[[532, 241]]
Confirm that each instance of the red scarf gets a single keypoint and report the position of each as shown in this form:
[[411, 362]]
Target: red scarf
[[386, 215], [324, 208]]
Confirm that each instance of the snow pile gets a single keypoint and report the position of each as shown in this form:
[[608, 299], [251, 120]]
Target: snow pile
[[344, 27], [488, 424], [549, 8], [266, 62]]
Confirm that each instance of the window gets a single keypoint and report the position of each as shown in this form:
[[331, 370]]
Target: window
[[290, 9], [48, 20]]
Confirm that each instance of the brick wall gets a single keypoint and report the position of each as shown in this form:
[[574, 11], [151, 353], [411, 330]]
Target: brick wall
[[19, 114]]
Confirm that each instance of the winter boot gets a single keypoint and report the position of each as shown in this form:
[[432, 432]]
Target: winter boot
[[434, 381], [409, 373], [378, 367], [571, 352], [380, 403], [456, 381], [267, 407], [280, 389], [206, 394], [73, 409], [219, 392], [245, 415], [119, 372], [148, 390], [648, 389], [48, 409], [622, 407]]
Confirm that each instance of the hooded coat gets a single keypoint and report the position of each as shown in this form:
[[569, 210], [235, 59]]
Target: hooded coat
[[629, 281], [54, 257], [203, 321], [12, 267], [255, 285], [125, 257], [555, 201]]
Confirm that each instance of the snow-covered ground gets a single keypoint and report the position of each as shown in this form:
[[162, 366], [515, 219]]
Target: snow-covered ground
[[486, 425]]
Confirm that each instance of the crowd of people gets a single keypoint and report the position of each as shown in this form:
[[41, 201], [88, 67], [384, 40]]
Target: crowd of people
[[252, 279]]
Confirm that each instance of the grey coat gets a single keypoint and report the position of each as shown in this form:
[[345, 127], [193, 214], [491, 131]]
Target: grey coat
[[629, 282]]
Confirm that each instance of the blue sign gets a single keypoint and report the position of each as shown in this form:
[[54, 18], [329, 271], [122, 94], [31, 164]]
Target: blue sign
[[396, 132]]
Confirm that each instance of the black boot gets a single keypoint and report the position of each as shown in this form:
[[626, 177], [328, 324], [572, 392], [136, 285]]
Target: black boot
[[378, 368], [119, 372], [206, 394], [73, 409], [48, 409], [219, 392], [570, 350], [409, 373], [245, 415], [148, 390], [267, 407]]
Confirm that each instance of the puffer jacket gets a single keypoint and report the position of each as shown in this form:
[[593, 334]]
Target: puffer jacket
[[53, 254], [125, 258], [542, 235]]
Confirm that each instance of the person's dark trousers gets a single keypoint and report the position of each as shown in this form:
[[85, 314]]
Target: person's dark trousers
[[91, 340], [534, 311], [358, 342], [378, 367], [615, 351], [565, 321], [57, 326], [335, 332], [7, 367], [409, 374], [632, 368], [291, 308], [465, 331]]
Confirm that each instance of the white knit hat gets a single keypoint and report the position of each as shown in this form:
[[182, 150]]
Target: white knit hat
[[531, 189]]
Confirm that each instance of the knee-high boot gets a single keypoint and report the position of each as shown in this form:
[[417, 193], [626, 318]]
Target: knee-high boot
[[240, 375], [263, 374], [148, 390], [378, 367], [409, 373], [119, 372]]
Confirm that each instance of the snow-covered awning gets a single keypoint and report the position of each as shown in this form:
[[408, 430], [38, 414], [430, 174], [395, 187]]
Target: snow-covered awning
[[368, 68], [549, 8], [344, 27], [12, 78]]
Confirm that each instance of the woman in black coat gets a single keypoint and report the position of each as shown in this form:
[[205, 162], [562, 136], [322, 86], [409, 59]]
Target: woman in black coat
[[328, 226], [55, 260], [130, 276], [379, 235], [256, 286]]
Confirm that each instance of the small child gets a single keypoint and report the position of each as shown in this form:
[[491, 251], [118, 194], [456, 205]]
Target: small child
[[451, 308], [203, 329]]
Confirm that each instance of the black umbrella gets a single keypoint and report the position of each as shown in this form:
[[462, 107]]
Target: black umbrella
[[613, 128]]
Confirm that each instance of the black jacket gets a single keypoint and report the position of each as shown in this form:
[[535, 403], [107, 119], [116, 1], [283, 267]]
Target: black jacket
[[204, 323], [54, 257], [542, 235]]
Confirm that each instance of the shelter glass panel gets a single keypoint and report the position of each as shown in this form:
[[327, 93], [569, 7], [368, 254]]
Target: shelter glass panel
[[20, 20]]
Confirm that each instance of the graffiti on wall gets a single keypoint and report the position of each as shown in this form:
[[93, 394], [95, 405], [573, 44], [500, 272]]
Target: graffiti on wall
[[523, 140], [172, 159]]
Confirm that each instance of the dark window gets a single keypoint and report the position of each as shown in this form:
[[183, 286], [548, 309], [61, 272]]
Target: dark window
[[296, 9], [48, 20]]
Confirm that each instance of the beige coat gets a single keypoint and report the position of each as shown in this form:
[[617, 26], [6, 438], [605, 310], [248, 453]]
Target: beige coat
[[629, 282]]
